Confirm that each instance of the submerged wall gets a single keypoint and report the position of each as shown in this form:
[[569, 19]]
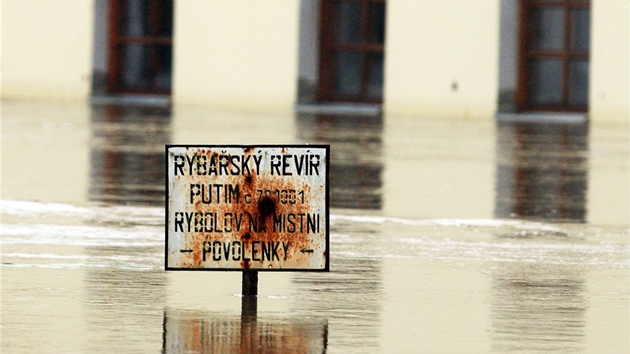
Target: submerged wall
[[448, 59], [236, 54], [441, 58], [609, 91], [454, 59], [47, 49]]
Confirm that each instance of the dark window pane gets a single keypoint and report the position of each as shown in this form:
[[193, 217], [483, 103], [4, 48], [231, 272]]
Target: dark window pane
[[548, 27], [348, 73], [163, 67], [580, 30], [138, 18], [135, 72], [377, 23], [375, 83], [162, 18], [143, 65], [546, 82], [134, 19], [578, 70], [349, 22]]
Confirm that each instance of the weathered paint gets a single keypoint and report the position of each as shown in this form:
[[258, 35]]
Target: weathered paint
[[247, 207]]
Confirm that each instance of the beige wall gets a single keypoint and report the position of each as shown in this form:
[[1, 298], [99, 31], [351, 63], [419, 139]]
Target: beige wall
[[236, 54], [609, 92], [47, 48], [431, 46], [1, 66], [441, 57]]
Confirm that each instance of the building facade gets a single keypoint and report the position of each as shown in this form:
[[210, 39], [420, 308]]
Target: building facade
[[420, 58]]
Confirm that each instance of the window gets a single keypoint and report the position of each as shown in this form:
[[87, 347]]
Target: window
[[140, 48], [352, 50], [554, 55]]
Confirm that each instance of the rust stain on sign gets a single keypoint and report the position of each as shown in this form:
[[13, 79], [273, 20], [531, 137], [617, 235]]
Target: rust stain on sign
[[247, 207]]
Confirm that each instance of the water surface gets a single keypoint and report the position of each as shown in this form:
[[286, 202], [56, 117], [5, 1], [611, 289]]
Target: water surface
[[446, 236]]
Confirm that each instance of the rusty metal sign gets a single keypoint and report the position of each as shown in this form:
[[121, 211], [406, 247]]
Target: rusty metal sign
[[262, 208]]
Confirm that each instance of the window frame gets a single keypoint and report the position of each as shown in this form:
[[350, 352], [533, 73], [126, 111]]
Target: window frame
[[565, 55], [117, 39], [329, 47]]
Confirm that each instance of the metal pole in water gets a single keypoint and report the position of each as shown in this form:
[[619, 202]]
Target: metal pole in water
[[249, 302], [250, 283]]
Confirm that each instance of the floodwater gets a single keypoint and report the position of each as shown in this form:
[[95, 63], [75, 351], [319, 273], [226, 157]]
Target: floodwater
[[446, 236]]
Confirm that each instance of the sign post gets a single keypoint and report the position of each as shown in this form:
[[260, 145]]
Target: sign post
[[247, 208]]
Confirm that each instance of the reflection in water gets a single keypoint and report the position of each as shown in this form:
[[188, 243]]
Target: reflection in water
[[542, 171], [120, 305], [542, 175], [355, 284], [350, 297], [538, 307], [126, 167], [90, 279], [355, 157], [127, 154], [194, 331]]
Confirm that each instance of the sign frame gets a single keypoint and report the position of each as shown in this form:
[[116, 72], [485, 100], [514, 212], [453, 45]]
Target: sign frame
[[326, 211]]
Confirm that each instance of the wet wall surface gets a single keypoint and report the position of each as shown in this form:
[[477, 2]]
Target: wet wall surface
[[446, 236]]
